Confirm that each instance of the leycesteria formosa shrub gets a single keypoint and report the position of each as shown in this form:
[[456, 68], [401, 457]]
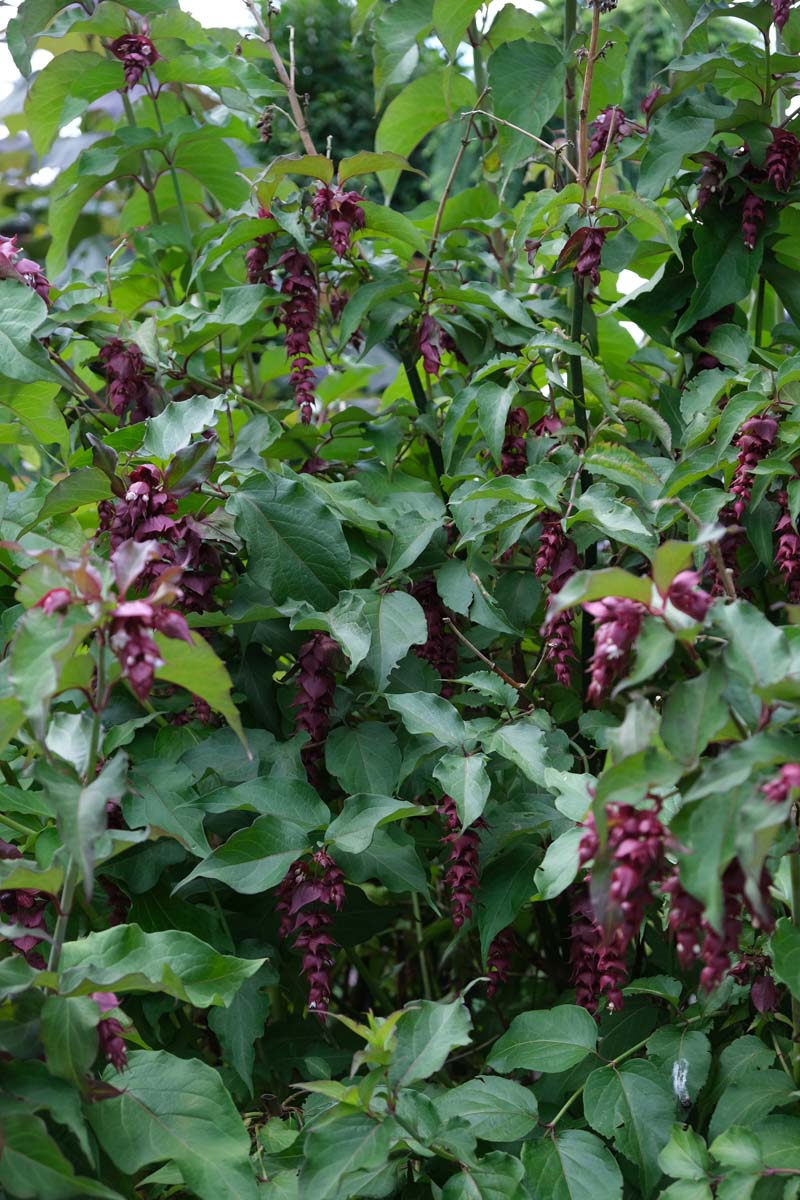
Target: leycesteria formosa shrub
[[400, 685]]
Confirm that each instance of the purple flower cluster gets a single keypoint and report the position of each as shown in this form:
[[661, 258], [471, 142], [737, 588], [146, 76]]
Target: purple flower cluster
[[648, 102], [780, 13], [696, 938], [257, 258], [23, 268], [129, 383], [514, 454], [687, 595], [617, 622], [782, 159], [787, 553], [754, 441], [147, 512], [558, 556], [779, 789], [298, 315], [24, 907], [109, 1031], [136, 53], [344, 213], [611, 125], [635, 850], [441, 647], [304, 899], [755, 969], [712, 174], [753, 214], [587, 265], [431, 342], [498, 959], [461, 876], [316, 683], [133, 623]]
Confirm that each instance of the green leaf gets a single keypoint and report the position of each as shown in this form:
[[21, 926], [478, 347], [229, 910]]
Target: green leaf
[[685, 1155], [365, 758], [426, 1035], [548, 1041], [527, 82], [380, 219], [255, 858], [584, 586], [391, 858], [82, 818], [335, 1151], [173, 429], [785, 949], [684, 1058], [600, 508], [32, 1166], [367, 162], [397, 622], [495, 1176], [353, 829], [421, 106], [34, 405], [41, 649], [632, 1105], [295, 544], [309, 166], [497, 1110], [425, 714], [493, 404], [125, 959], [676, 132], [641, 209], [21, 355], [522, 743], [197, 668], [694, 711], [85, 486], [506, 883], [560, 864], [464, 777], [575, 1165], [724, 268], [176, 1110], [65, 89], [242, 1023], [780, 1141], [69, 1036], [738, 1147], [742, 1103], [669, 560], [451, 18]]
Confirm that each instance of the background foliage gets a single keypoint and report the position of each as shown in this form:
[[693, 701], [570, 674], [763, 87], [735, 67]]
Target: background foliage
[[399, 700]]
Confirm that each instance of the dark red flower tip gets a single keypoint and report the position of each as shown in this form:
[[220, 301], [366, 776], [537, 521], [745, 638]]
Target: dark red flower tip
[[136, 53]]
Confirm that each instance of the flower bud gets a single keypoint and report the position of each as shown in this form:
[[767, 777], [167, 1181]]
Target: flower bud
[[782, 158], [617, 622]]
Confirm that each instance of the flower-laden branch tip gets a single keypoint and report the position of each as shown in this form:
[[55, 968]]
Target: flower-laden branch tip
[[136, 52]]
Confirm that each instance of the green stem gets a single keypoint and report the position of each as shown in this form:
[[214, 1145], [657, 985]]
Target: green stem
[[71, 874], [17, 825], [570, 98], [184, 216], [759, 311], [423, 960], [423, 408], [794, 877], [149, 188], [65, 904]]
